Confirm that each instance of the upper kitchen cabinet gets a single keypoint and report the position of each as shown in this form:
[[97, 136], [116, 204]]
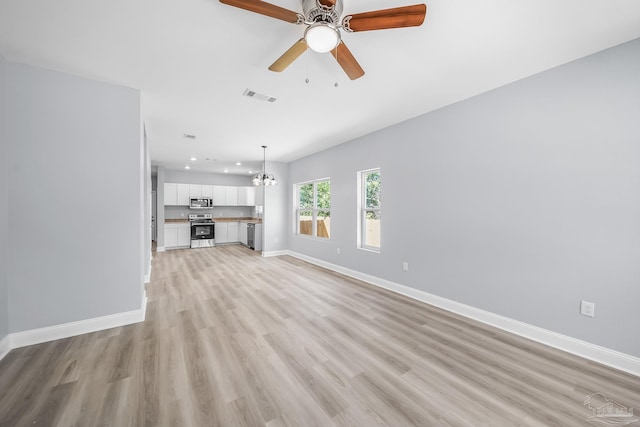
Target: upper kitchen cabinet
[[232, 196], [176, 194], [224, 195], [195, 191], [219, 195], [207, 191], [246, 196]]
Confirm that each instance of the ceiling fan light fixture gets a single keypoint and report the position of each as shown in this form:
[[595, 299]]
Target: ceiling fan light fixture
[[322, 37]]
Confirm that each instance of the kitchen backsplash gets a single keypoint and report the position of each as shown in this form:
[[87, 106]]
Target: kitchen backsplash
[[178, 212]]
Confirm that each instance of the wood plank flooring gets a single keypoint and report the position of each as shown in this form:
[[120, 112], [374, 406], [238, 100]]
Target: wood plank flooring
[[234, 339]]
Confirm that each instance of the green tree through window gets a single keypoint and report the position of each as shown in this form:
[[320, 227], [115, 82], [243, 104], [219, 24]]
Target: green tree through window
[[369, 221], [314, 208]]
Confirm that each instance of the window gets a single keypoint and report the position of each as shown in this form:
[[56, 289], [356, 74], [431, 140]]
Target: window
[[369, 209], [313, 211]]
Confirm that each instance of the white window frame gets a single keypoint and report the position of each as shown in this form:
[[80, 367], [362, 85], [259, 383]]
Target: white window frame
[[314, 209], [363, 210]]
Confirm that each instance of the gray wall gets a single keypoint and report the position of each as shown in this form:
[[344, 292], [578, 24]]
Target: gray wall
[[521, 201], [4, 204], [275, 220], [75, 161], [188, 177]]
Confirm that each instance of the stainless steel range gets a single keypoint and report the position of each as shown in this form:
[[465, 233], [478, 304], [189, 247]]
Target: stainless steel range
[[203, 230]]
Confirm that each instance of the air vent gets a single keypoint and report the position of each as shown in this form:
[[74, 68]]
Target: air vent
[[259, 96], [189, 136]]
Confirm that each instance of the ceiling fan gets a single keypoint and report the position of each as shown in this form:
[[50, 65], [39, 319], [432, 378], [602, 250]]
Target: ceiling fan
[[322, 34]]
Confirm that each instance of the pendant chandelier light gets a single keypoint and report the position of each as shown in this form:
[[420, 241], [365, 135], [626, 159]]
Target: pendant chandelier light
[[264, 178]]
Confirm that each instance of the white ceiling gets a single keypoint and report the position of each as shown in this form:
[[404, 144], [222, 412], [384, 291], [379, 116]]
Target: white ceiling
[[193, 59]]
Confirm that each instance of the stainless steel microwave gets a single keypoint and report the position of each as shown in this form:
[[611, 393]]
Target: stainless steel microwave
[[201, 203]]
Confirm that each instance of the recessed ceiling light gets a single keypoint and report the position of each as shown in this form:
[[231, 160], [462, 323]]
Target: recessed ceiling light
[[249, 171], [238, 164], [226, 170], [193, 159], [187, 167]]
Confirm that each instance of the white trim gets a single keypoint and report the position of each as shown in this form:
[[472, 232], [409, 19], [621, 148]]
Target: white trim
[[612, 358], [160, 249], [66, 330], [5, 346], [147, 277], [268, 254]]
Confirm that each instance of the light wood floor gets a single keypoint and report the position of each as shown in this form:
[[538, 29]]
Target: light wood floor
[[233, 339]]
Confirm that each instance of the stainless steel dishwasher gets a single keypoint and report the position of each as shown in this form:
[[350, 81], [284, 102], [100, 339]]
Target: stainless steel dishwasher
[[251, 235]]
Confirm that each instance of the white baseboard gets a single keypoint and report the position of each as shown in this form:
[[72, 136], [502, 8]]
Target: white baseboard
[[160, 249], [5, 346], [147, 277], [267, 254], [603, 355], [66, 330]]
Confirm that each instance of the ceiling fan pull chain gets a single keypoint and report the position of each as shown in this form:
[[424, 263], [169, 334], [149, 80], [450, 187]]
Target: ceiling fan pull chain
[[306, 65]]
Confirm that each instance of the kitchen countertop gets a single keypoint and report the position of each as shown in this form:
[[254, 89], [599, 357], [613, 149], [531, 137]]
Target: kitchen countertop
[[220, 219]]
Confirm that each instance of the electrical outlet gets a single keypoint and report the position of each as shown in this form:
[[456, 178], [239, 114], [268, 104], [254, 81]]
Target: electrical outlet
[[338, 251], [587, 308], [405, 266]]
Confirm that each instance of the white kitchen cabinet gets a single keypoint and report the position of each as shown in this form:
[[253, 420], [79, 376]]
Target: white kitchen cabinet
[[207, 191], [222, 232], [184, 236], [183, 194], [222, 195], [170, 194], [219, 195], [170, 237], [232, 196], [246, 196], [176, 194], [195, 191], [177, 235], [233, 230], [243, 233]]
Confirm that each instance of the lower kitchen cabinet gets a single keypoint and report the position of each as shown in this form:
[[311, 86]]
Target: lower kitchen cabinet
[[243, 233], [232, 232], [222, 232], [177, 236], [170, 237], [227, 232]]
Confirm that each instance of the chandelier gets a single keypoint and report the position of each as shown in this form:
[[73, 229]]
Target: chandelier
[[264, 178]]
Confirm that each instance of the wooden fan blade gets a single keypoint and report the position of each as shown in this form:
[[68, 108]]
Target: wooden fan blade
[[397, 17], [347, 61], [327, 3], [265, 8], [289, 56]]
